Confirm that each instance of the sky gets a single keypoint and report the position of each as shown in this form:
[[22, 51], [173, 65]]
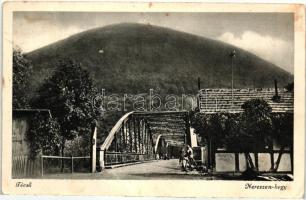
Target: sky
[[267, 35]]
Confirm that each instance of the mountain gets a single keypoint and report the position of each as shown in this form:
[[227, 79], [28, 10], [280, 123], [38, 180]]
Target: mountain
[[133, 58]]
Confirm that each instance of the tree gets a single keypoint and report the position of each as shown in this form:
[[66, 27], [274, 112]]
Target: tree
[[211, 128], [69, 94], [283, 133], [200, 124], [22, 70], [290, 87], [233, 140], [256, 124], [43, 135], [216, 124]]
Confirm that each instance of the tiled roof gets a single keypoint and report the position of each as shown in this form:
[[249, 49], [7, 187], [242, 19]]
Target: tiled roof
[[220, 100], [18, 112]]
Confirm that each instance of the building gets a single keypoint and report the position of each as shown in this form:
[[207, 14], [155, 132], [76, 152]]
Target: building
[[213, 101], [227, 100], [22, 165]]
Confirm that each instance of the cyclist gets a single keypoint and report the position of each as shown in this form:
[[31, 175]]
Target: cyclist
[[190, 155], [186, 157]]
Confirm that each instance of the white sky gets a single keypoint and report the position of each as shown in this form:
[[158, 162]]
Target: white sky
[[269, 36]]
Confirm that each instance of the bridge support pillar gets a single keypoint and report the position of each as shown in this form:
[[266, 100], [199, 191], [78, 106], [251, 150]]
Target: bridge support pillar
[[93, 154], [102, 161]]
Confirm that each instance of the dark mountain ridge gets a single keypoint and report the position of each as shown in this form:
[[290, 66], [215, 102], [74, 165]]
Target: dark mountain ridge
[[132, 58]]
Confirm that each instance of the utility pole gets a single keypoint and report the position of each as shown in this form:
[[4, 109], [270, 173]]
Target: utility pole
[[233, 55], [198, 95]]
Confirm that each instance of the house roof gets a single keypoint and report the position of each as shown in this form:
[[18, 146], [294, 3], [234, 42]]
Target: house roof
[[220, 100], [19, 112]]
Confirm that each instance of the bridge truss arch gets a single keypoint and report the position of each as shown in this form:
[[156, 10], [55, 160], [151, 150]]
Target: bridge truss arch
[[136, 135]]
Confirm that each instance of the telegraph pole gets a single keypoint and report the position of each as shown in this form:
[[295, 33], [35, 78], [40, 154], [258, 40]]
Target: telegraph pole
[[233, 55]]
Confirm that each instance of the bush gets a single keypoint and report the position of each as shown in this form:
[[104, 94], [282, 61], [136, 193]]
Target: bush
[[256, 123], [237, 131], [79, 146], [43, 136], [283, 128]]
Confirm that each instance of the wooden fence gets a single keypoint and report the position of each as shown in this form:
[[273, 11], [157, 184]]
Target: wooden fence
[[24, 167], [68, 164]]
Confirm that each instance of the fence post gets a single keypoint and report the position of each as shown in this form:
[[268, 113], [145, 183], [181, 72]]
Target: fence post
[[25, 167], [291, 159], [237, 162], [102, 161], [42, 164], [71, 163]]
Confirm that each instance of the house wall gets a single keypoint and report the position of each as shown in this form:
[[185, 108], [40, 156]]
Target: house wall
[[20, 145], [225, 162]]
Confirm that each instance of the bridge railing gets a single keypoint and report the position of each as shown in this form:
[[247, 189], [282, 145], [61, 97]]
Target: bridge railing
[[130, 140], [113, 158]]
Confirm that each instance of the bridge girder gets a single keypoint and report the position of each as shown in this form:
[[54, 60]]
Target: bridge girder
[[132, 138]]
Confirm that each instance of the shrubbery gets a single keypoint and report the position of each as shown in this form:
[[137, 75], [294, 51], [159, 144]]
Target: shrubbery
[[255, 124], [250, 131], [43, 136]]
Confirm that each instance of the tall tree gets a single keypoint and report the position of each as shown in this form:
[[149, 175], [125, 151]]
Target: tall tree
[[69, 94], [22, 70], [256, 124]]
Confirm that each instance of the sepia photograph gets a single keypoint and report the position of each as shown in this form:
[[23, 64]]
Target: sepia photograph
[[132, 95]]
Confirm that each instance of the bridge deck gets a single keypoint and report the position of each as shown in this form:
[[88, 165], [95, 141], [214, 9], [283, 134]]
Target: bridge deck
[[160, 169]]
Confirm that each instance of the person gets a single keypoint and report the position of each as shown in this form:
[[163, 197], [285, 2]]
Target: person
[[189, 155], [186, 152]]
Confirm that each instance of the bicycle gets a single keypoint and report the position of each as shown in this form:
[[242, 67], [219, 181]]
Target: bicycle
[[187, 165]]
